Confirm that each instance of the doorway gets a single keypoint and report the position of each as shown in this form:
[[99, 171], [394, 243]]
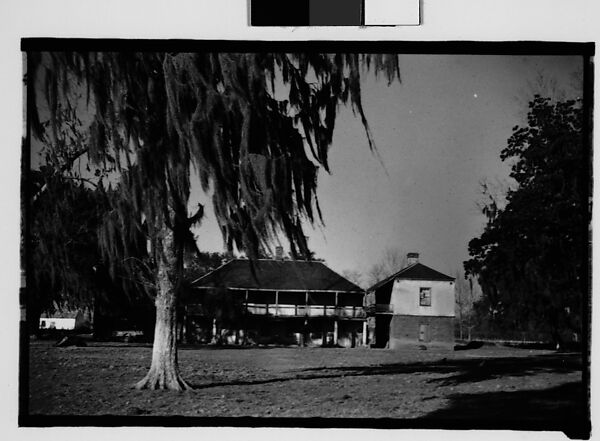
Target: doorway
[[424, 332], [382, 330]]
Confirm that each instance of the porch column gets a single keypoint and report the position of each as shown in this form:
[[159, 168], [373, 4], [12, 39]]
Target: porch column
[[184, 324], [244, 338], [364, 336], [276, 302], [335, 320], [306, 303], [214, 331], [335, 331]]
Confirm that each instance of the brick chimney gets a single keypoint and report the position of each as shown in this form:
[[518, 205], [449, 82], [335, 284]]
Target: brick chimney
[[412, 258], [279, 253]]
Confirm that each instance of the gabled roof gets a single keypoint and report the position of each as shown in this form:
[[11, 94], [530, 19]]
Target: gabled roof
[[416, 271], [283, 275]]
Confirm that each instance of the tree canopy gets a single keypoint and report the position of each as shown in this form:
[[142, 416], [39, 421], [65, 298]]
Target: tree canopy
[[254, 126], [531, 258]]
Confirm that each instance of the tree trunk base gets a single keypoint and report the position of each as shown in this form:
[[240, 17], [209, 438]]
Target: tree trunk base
[[163, 381]]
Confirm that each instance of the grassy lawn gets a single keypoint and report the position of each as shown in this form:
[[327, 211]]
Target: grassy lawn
[[492, 383]]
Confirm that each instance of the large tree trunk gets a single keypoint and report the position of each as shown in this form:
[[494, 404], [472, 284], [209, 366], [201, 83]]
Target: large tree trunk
[[164, 370]]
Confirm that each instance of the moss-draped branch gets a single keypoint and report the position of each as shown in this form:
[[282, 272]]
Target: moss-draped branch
[[256, 127]]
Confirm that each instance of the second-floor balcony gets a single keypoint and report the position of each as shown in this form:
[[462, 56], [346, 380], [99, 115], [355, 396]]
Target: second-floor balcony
[[384, 308], [305, 310]]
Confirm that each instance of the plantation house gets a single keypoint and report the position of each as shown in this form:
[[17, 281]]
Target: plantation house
[[276, 301], [414, 305]]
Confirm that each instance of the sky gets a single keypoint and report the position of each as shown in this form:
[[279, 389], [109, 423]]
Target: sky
[[438, 134]]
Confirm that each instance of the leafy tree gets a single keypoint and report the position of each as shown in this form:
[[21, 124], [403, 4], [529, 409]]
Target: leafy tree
[[68, 205], [64, 215], [216, 304], [62, 247], [256, 127], [201, 263], [531, 258]]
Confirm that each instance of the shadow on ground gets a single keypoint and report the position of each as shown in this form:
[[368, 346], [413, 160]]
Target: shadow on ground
[[472, 371], [183, 347], [462, 371], [468, 370], [560, 408]]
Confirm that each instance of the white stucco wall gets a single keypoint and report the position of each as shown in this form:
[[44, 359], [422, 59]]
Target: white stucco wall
[[57, 323], [405, 298]]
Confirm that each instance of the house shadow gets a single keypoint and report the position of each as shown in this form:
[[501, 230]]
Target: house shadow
[[467, 370], [561, 408], [477, 370], [461, 371], [180, 346]]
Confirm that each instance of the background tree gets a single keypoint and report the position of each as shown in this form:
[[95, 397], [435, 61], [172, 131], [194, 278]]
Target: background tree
[[392, 260], [547, 85], [216, 305], [67, 209], [531, 258], [201, 263], [493, 197], [254, 127], [65, 265], [354, 276], [63, 247], [467, 293], [64, 215]]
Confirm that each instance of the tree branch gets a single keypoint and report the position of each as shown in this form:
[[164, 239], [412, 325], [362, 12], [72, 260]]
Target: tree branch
[[197, 216]]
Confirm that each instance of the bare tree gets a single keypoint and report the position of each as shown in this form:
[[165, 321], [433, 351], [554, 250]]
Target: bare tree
[[354, 276], [467, 292], [547, 85], [392, 260]]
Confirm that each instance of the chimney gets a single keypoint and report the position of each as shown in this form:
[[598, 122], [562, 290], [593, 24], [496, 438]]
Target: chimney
[[279, 253], [412, 258]]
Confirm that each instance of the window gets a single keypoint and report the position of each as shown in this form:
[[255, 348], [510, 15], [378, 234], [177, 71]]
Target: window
[[425, 296]]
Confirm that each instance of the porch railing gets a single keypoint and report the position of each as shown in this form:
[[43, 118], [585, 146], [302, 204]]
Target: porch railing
[[305, 310], [384, 308]]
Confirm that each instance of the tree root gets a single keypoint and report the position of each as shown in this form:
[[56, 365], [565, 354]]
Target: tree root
[[163, 381]]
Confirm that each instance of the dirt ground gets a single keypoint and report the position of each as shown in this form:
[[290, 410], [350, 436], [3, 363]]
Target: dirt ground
[[491, 383]]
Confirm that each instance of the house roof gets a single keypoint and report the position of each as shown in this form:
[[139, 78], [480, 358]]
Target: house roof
[[416, 271], [278, 275]]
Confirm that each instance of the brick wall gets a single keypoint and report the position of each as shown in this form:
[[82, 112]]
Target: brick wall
[[407, 329]]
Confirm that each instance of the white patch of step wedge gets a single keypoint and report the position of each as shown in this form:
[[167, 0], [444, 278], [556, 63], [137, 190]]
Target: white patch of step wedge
[[391, 12]]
